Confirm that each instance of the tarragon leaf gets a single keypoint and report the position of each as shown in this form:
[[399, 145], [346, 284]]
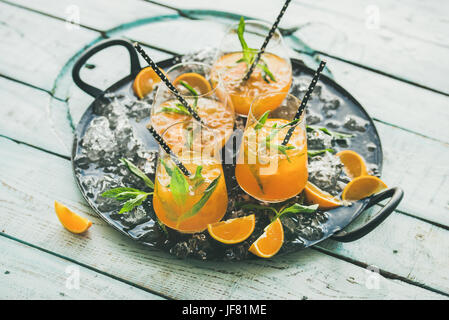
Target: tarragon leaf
[[333, 134], [282, 149], [121, 193], [137, 172], [134, 202], [266, 72], [175, 110], [313, 153], [198, 178], [192, 91], [200, 204], [295, 209], [262, 120], [257, 207], [167, 168], [179, 186], [249, 54]]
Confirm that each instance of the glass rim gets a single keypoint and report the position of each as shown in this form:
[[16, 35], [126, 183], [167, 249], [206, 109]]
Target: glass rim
[[288, 95], [210, 67]]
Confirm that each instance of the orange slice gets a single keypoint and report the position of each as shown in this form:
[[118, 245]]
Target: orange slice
[[144, 82], [270, 242], [70, 220], [362, 187], [232, 230], [354, 164], [324, 200], [196, 81]]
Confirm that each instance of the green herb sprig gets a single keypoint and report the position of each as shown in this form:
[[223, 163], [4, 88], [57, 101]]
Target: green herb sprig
[[283, 212], [179, 187], [179, 108], [313, 153], [333, 134], [249, 54], [275, 130], [132, 197]]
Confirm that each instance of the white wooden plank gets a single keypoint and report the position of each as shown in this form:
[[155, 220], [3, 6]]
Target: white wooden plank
[[346, 29], [100, 15], [342, 29], [419, 166], [34, 47], [405, 247], [27, 213], [27, 273], [25, 116], [395, 102]]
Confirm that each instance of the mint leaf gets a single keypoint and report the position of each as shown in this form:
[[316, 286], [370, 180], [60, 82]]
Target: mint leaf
[[179, 186], [137, 172], [200, 204], [262, 120]]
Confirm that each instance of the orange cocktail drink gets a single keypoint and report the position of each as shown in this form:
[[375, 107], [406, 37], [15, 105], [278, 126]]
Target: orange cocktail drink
[[206, 96], [189, 203], [273, 73], [267, 169]]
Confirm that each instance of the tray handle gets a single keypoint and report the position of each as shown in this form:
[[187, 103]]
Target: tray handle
[[395, 195], [91, 90]]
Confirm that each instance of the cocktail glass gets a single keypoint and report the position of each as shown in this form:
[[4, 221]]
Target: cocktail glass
[[188, 203], [267, 169], [272, 74], [206, 96]]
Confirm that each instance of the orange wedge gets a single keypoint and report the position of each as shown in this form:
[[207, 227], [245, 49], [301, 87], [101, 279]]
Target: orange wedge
[[233, 230], [270, 242], [70, 220], [324, 200], [362, 187], [196, 81], [144, 82], [354, 165]]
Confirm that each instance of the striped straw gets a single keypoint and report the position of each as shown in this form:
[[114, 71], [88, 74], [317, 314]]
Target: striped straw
[[167, 149], [304, 101], [167, 82], [267, 39]]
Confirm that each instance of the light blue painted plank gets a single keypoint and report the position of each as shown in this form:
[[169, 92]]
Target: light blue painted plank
[[28, 273]]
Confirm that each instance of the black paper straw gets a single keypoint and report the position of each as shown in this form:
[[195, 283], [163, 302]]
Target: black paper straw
[[267, 39], [167, 82], [304, 101], [167, 149]]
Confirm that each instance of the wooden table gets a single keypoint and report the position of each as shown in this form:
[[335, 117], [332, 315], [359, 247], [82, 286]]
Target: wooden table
[[391, 56]]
